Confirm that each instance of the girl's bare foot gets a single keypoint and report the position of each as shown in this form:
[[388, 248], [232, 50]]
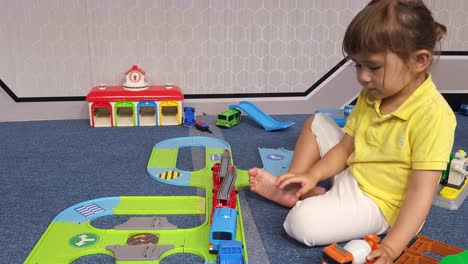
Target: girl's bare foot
[[263, 183]]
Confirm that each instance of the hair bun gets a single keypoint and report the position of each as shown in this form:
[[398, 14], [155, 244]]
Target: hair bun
[[440, 30]]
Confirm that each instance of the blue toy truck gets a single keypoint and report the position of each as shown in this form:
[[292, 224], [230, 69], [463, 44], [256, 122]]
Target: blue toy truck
[[230, 252], [223, 227]]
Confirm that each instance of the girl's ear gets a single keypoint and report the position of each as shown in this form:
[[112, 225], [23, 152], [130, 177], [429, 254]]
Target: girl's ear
[[421, 60]]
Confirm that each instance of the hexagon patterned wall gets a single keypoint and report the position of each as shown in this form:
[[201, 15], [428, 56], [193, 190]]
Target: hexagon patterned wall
[[63, 48]]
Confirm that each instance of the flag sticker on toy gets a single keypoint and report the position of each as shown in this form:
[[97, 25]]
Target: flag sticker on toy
[[89, 210]]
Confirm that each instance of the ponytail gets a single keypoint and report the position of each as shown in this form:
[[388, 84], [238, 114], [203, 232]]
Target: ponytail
[[440, 31]]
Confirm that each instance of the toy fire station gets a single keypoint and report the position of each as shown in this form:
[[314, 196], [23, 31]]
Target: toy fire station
[[135, 103]]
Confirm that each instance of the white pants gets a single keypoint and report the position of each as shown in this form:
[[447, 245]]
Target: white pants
[[341, 214]]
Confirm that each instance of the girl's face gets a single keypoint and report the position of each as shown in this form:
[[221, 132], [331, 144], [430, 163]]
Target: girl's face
[[385, 75]]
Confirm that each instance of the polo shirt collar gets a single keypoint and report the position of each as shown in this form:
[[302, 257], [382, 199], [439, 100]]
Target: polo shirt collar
[[411, 104]]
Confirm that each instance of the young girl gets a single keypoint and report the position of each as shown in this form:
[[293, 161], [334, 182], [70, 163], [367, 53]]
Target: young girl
[[397, 140]]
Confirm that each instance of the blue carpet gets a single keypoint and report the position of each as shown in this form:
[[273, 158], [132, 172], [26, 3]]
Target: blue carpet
[[49, 166]]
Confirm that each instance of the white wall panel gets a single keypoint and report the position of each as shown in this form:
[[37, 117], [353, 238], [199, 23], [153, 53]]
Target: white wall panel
[[54, 48]]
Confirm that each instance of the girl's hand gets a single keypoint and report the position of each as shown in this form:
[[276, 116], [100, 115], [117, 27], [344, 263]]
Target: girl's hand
[[382, 255], [306, 182]]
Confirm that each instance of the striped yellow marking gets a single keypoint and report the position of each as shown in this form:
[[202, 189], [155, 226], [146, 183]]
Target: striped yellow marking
[[169, 175]]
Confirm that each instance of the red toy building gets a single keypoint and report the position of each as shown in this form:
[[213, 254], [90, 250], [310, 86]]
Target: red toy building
[[135, 103]]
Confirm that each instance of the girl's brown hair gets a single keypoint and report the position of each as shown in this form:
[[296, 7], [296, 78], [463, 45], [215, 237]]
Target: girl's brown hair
[[398, 26]]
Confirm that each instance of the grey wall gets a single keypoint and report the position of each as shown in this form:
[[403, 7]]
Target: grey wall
[[63, 48]]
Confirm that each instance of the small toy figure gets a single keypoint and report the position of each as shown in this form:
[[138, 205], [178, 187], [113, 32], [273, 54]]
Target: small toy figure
[[453, 182], [458, 170]]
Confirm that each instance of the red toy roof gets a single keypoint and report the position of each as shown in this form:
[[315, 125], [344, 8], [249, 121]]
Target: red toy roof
[[135, 68], [118, 93]]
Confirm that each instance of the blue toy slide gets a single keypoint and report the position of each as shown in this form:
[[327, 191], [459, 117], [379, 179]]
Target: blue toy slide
[[261, 117]]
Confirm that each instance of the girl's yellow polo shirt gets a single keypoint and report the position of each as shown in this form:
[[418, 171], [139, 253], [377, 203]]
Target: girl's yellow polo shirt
[[418, 135]]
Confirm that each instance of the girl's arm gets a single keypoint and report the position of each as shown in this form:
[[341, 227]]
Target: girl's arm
[[415, 208], [331, 164]]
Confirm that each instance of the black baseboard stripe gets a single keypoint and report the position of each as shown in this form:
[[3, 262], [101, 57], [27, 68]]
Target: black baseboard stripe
[[454, 99]]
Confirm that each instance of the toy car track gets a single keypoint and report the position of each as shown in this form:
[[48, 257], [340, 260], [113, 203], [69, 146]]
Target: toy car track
[[71, 235]]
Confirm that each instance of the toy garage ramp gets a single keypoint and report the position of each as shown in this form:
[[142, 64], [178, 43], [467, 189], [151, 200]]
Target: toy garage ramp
[[261, 117]]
